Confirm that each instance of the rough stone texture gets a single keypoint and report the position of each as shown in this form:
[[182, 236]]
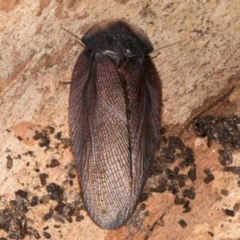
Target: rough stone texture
[[200, 74]]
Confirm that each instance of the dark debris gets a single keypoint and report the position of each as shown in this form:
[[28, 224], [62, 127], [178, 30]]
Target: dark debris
[[233, 169], [55, 192], [210, 177], [189, 193], [229, 212], [13, 219], [79, 218], [211, 234], [43, 178], [9, 162], [173, 151], [21, 193], [34, 201], [236, 207], [182, 223], [54, 163], [43, 137], [47, 235], [36, 234], [13, 223], [225, 131]]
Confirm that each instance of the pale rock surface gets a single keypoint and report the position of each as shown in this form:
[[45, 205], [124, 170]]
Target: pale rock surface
[[37, 57]]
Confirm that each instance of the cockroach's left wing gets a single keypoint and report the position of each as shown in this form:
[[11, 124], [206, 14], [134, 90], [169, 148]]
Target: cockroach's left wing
[[143, 99]]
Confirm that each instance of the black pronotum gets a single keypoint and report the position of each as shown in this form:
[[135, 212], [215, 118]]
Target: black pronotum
[[114, 119]]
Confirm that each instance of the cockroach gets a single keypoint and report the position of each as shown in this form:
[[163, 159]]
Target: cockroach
[[115, 98]]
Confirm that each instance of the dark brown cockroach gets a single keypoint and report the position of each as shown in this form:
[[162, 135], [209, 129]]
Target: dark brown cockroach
[[114, 119]]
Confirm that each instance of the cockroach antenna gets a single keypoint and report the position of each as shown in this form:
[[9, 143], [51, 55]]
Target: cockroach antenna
[[169, 45], [80, 40]]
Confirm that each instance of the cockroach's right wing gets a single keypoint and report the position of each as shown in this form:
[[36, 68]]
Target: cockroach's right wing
[[100, 139], [77, 106]]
